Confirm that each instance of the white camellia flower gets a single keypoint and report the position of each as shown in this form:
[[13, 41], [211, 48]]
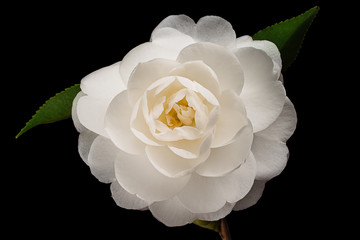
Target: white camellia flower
[[190, 125]]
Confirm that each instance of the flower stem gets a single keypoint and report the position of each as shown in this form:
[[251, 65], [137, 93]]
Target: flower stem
[[224, 230]]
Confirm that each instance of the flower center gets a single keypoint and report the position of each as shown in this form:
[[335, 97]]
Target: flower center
[[179, 115]]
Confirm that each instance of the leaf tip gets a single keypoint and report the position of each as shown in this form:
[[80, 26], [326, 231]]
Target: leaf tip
[[288, 35], [22, 131], [49, 112]]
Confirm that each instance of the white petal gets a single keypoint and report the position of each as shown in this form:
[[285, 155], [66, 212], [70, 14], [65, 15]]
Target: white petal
[[91, 113], [219, 214], [182, 23], [271, 157], [140, 54], [209, 194], [284, 126], [256, 64], [218, 58], [171, 164], [231, 120], [145, 74], [176, 90], [252, 197], [243, 40], [263, 95], [117, 125], [201, 110], [158, 107], [201, 73], [172, 213], [267, 46], [79, 127], [269, 147], [86, 138], [139, 125], [216, 30], [171, 39], [223, 160], [101, 159], [187, 132], [176, 134], [208, 95], [125, 199], [137, 175], [103, 83], [191, 149]]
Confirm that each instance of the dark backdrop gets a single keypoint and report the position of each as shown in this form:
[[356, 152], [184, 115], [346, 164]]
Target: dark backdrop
[[49, 192]]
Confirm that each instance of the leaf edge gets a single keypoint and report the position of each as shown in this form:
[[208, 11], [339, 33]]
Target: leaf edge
[[315, 8], [29, 125]]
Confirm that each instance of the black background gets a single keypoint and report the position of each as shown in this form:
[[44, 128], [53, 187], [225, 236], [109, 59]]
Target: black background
[[47, 191]]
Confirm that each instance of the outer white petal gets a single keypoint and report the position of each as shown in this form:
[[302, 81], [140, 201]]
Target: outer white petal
[[284, 126], [171, 164], [182, 23], [214, 216], [104, 83], [86, 138], [171, 39], [267, 46], [216, 30], [140, 54], [231, 120], [91, 113], [224, 159], [263, 95], [125, 199], [137, 175], [243, 40], [252, 197], [145, 74], [79, 127], [101, 159], [271, 157], [172, 213], [117, 125], [224, 63], [269, 146], [209, 194], [208, 29]]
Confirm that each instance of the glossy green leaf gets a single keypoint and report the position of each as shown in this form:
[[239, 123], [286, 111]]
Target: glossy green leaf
[[288, 35], [55, 109]]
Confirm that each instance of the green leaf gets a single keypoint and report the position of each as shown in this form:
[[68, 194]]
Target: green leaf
[[55, 109], [212, 225], [288, 35]]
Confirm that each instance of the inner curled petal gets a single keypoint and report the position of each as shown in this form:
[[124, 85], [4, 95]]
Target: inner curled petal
[[176, 109], [185, 113], [181, 114]]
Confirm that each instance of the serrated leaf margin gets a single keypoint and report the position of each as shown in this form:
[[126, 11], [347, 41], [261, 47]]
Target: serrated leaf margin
[[313, 10], [33, 122]]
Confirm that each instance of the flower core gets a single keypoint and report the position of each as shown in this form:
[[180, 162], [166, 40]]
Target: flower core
[[180, 114]]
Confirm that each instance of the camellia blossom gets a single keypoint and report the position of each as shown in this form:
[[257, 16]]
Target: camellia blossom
[[190, 125]]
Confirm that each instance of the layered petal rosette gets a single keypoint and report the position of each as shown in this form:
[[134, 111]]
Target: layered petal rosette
[[190, 125]]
